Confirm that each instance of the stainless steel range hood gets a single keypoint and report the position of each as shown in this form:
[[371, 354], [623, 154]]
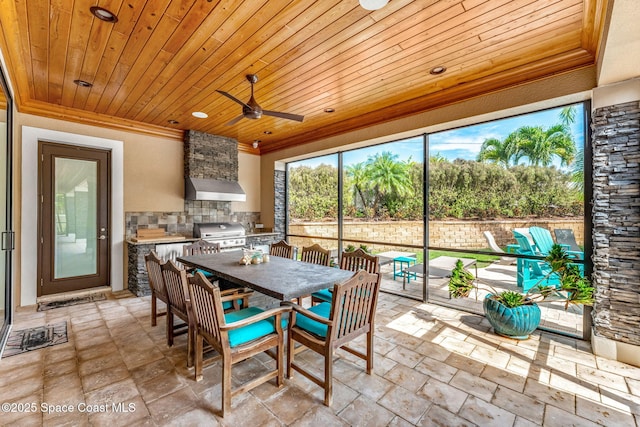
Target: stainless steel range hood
[[213, 189]]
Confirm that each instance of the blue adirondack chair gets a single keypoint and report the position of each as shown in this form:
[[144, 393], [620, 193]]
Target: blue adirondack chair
[[532, 272]]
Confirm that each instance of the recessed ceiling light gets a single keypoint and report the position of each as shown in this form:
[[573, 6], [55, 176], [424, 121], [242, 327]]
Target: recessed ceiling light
[[438, 70], [267, 132], [373, 4], [83, 83], [329, 110], [103, 14], [200, 114], [174, 122]]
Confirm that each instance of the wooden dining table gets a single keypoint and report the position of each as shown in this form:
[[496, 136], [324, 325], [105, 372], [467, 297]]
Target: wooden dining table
[[281, 278]]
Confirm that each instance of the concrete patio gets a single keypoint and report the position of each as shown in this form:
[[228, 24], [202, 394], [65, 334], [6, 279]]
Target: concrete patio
[[433, 366]]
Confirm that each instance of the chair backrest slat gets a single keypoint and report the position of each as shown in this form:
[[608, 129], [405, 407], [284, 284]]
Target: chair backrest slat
[[175, 280], [281, 249], [565, 236], [154, 270], [360, 260], [354, 303], [201, 247], [525, 247], [207, 310], [542, 239], [316, 254]]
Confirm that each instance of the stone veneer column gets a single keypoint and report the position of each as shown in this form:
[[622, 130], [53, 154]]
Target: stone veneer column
[[280, 208], [616, 221]]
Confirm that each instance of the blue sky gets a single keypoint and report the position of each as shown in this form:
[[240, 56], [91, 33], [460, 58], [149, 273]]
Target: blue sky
[[462, 143]]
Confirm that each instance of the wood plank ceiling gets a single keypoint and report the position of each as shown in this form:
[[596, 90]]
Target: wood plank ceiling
[[164, 59]]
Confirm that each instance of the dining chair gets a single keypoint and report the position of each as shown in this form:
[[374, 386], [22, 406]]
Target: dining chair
[[175, 280], [353, 261], [154, 264], [201, 247], [316, 254], [327, 326], [236, 336], [281, 249]]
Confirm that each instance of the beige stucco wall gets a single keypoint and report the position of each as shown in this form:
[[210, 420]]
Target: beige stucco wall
[[558, 90], [153, 175], [153, 171]]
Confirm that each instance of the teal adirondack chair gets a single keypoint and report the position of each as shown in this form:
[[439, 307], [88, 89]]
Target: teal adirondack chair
[[544, 242], [532, 272]]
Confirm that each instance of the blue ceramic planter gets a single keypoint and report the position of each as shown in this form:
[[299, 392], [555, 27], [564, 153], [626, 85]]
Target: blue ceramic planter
[[517, 322]]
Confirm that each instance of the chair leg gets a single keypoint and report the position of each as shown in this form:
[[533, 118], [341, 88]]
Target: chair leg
[[290, 352], [370, 351], [226, 385], [190, 344], [280, 362], [198, 357], [154, 309], [328, 378], [169, 328]]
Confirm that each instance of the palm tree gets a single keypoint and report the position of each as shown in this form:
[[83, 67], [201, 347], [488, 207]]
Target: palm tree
[[388, 177], [542, 145], [577, 171], [568, 115], [358, 181], [500, 152]]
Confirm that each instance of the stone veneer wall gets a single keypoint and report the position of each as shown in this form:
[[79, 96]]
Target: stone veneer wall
[[616, 222], [451, 234], [210, 156]]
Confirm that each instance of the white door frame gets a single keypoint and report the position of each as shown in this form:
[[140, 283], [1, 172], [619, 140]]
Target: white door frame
[[29, 213]]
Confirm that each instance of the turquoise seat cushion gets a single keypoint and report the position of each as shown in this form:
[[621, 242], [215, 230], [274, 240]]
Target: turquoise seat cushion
[[316, 328], [226, 305], [206, 273], [324, 295], [251, 332]]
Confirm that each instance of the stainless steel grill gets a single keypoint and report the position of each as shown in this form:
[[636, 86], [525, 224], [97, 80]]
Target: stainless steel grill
[[228, 235]]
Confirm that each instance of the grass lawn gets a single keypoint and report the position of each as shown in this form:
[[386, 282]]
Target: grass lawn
[[482, 260]]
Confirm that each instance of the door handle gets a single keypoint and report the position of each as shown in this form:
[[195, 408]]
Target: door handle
[[8, 241]]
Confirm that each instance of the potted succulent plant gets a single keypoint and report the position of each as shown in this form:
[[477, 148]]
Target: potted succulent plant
[[516, 314]]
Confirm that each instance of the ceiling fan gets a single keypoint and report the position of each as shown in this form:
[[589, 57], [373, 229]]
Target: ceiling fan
[[251, 109]]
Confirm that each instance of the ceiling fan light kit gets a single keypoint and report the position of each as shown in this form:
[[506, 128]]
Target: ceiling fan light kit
[[373, 4], [251, 109]]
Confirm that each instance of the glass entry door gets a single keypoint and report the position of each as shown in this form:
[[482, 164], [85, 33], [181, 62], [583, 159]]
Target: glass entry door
[[74, 218]]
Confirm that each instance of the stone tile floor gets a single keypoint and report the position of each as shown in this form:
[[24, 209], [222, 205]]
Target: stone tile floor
[[498, 277], [433, 366]]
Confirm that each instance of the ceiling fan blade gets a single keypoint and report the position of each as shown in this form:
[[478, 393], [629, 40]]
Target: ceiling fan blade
[[235, 120], [289, 116], [233, 98]]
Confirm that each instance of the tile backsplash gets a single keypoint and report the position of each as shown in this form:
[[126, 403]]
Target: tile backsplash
[[181, 223]]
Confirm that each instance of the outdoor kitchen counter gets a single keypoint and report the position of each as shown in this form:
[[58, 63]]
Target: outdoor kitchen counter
[[163, 240], [137, 279]]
